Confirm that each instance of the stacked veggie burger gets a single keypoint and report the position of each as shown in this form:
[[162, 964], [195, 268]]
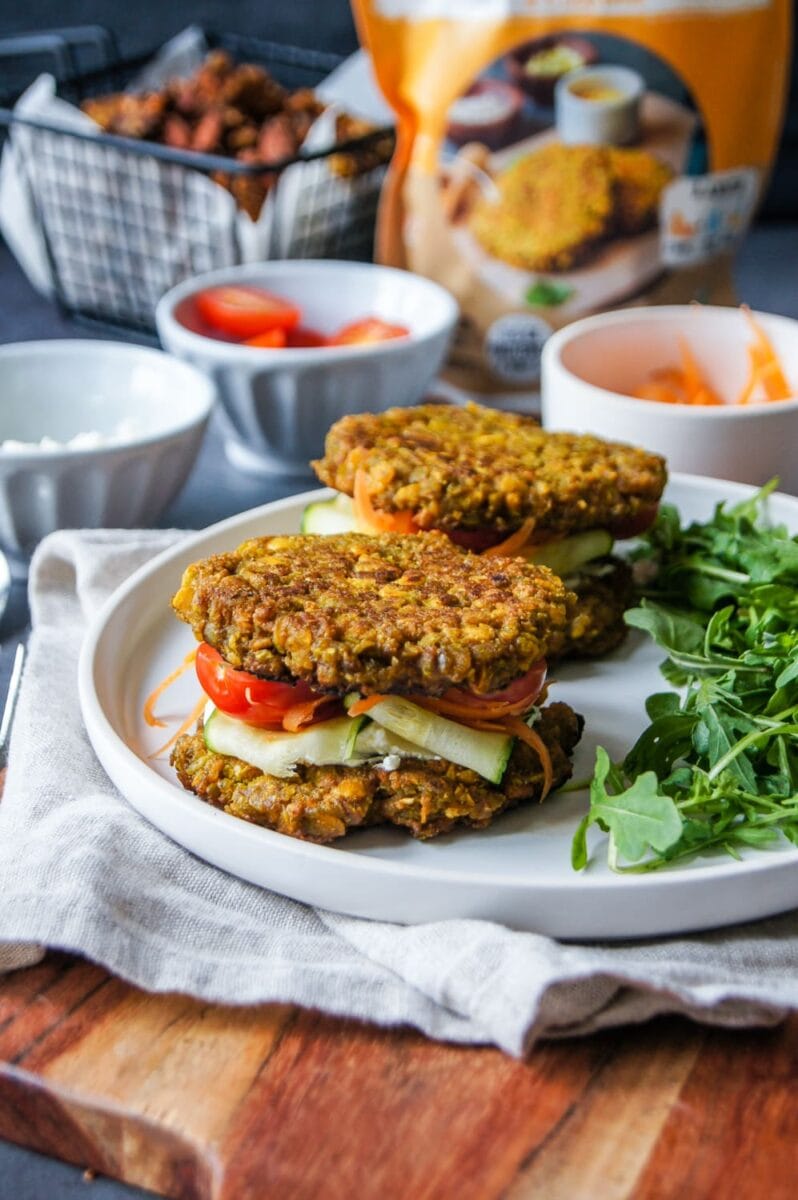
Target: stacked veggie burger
[[354, 680], [497, 484]]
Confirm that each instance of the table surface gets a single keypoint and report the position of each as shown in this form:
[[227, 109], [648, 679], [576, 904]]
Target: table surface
[[603, 1117]]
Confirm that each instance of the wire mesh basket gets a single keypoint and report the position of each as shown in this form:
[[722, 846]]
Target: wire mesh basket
[[123, 220]]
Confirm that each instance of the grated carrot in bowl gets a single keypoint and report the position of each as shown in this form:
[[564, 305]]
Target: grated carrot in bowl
[[686, 384]]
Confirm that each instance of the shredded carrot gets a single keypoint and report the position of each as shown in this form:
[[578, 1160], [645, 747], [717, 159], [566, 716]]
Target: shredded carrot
[[299, 715], [764, 358], [696, 386], [687, 384], [193, 716], [373, 519], [747, 394], [363, 705], [465, 711], [659, 392], [527, 734], [156, 693], [512, 544]]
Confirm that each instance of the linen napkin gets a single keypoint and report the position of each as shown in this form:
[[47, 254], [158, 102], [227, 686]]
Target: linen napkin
[[81, 871]]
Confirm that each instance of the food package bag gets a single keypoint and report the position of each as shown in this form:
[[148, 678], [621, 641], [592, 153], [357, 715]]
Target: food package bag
[[89, 198], [557, 158]]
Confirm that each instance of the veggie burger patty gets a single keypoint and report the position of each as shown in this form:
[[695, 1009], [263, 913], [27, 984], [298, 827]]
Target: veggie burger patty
[[475, 468], [357, 680], [374, 614], [497, 483], [426, 797]]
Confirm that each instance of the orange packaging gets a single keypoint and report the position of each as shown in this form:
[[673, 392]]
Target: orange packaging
[[557, 158]]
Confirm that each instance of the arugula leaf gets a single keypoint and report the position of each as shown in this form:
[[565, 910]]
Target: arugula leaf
[[750, 510], [548, 293], [639, 818], [670, 629], [716, 769], [662, 704], [789, 674], [714, 737], [661, 745]]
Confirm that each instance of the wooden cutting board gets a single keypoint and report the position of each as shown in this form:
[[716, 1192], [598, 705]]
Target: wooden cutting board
[[197, 1101]]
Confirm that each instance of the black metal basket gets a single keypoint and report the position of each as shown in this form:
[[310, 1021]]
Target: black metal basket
[[122, 220]]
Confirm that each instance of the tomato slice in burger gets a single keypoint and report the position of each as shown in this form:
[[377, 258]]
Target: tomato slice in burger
[[367, 331], [525, 689], [246, 311], [476, 540], [241, 694]]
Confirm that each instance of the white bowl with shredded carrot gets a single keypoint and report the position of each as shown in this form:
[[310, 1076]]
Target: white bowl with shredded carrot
[[713, 389]]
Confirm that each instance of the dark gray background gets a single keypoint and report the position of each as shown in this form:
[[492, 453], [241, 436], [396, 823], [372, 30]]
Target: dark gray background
[[767, 278]]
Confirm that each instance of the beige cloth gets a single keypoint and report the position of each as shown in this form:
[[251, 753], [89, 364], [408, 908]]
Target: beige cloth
[[16, 955]]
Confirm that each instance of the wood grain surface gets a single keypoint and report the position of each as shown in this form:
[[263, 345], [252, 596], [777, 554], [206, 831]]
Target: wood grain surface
[[198, 1101]]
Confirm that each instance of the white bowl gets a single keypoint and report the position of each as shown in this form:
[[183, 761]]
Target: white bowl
[[60, 389], [589, 369], [580, 120], [279, 404]]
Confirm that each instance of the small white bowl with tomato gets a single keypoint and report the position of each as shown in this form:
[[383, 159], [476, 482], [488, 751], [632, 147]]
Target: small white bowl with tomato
[[294, 345], [715, 390]]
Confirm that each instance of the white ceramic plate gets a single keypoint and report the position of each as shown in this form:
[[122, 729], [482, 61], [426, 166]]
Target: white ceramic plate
[[517, 872]]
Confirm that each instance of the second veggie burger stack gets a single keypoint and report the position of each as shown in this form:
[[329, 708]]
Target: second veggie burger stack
[[497, 484]]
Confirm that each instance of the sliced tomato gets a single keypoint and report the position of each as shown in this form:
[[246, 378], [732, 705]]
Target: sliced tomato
[[245, 311], [526, 687], [366, 331], [634, 526], [480, 711], [475, 539], [301, 338], [254, 700], [272, 339]]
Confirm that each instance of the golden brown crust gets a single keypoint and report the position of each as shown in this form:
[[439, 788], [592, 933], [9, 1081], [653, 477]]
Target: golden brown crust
[[398, 613], [426, 797], [554, 206], [558, 205], [477, 468], [640, 179]]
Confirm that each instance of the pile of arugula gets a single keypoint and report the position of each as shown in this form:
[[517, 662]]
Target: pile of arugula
[[717, 768]]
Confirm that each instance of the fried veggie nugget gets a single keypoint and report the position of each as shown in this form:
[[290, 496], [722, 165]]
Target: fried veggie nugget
[[479, 468]]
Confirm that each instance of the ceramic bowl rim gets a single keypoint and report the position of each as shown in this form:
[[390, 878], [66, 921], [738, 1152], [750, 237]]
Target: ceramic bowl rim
[[201, 396], [552, 359], [310, 356], [590, 71]]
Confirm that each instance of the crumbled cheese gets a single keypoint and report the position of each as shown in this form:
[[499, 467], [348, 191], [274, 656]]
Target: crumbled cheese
[[90, 440], [390, 762]]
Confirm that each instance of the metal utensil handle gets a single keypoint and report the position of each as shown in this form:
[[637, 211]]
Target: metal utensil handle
[[12, 695]]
